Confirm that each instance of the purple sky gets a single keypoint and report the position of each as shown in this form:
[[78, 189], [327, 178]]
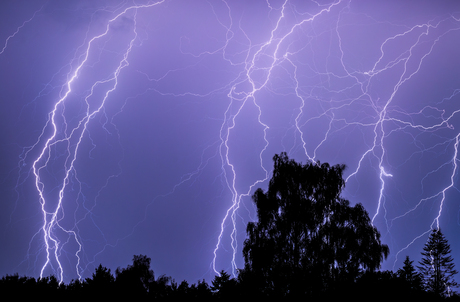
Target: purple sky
[[146, 131]]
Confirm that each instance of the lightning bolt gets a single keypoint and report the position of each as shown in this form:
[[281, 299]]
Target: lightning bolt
[[18, 29], [272, 50], [410, 68], [53, 214], [328, 96]]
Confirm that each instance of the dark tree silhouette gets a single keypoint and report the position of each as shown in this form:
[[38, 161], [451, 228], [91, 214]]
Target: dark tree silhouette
[[181, 291], [436, 266], [223, 285], [307, 237], [77, 289], [160, 288], [408, 274], [23, 288], [102, 278], [201, 291], [136, 278], [195, 292]]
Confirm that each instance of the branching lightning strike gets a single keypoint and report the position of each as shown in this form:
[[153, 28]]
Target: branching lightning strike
[[283, 52]]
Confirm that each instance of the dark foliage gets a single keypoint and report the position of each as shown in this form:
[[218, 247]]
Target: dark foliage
[[308, 240], [369, 286], [224, 287], [22, 288], [436, 266], [136, 282], [103, 286], [136, 278], [308, 243], [411, 279], [102, 283]]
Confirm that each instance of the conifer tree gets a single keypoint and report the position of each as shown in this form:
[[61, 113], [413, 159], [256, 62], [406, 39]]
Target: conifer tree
[[411, 277], [436, 266]]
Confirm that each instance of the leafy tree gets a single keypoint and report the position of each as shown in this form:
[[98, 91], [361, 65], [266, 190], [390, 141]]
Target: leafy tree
[[223, 285], [136, 278], [102, 278], [307, 237], [201, 291], [436, 266], [75, 289], [181, 291], [160, 288], [408, 273]]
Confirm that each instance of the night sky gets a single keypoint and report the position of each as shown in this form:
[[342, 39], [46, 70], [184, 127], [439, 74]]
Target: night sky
[[143, 127]]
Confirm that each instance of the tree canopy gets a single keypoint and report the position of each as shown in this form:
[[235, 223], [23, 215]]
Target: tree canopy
[[308, 242], [436, 266], [308, 237], [410, 276]]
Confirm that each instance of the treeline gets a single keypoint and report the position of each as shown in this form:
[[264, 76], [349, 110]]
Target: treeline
[[137, 282], [308, 244]]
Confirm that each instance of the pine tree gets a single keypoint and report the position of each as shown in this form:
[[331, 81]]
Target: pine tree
[[411, 278], [436, 266]]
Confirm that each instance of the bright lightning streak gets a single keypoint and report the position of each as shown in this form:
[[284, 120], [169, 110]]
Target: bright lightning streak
[[435, 223], [377, 149], [451, 185], [304, 58], [52, 218], [271, 49]]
